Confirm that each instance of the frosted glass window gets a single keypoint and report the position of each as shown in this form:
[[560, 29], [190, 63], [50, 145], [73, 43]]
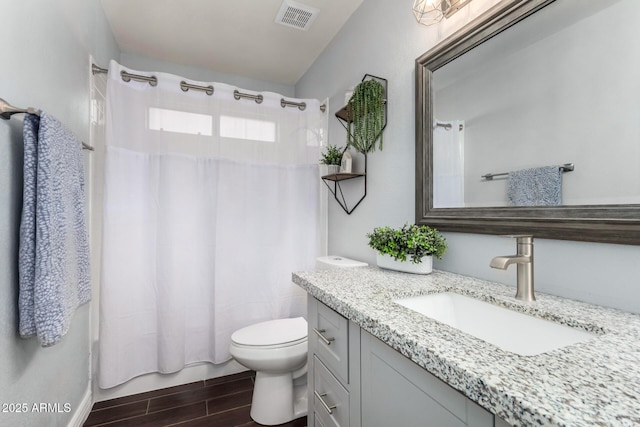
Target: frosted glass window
[[180, 121], [248, 129]]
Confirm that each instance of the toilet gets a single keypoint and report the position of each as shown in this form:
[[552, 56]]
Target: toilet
[[277, 351]]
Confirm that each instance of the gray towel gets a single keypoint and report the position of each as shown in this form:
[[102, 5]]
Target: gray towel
[[535, 187], [53, 257]]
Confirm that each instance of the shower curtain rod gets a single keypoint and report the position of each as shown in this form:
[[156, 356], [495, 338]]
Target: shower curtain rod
[[7, 110], [153, 81]]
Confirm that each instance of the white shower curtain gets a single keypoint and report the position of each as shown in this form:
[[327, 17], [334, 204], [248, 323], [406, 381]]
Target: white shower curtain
[[448, 165], [210, 203]]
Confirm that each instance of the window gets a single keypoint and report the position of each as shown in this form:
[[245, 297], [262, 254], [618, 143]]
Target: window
[[180, 121], [248, 129]]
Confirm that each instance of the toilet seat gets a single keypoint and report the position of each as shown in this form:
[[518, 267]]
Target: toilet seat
[[270, 347], [272, 334]]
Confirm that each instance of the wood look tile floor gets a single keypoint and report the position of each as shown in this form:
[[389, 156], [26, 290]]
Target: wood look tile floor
[[218, 402]]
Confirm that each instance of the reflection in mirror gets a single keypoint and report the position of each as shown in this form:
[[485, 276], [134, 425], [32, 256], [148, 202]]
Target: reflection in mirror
[[558, 87], [448, 170], [527, 88]]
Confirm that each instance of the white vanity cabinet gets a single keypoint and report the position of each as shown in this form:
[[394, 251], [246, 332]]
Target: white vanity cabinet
[[334, 368], [356, 380]]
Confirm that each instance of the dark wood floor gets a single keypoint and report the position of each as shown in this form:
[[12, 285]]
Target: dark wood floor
[[218, 402]]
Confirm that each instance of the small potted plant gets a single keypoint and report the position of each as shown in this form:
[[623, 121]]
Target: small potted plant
[[410, 249], [332, 157]]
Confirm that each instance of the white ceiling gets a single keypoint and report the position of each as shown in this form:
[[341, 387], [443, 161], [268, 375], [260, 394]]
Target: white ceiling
[[231, 36]]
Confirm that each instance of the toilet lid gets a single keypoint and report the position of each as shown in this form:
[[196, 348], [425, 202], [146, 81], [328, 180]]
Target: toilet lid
[[272, 332]]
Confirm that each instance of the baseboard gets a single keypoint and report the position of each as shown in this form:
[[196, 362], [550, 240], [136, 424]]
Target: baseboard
[[82, 411]]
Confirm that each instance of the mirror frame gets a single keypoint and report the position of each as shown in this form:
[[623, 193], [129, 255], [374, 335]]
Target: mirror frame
[[594, 223]]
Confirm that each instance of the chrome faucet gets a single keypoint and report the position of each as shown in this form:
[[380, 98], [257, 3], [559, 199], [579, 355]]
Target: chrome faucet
[[524, 261]]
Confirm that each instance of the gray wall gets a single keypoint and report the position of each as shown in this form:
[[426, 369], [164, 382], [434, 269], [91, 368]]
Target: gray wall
[[382, 38], [45, 64]]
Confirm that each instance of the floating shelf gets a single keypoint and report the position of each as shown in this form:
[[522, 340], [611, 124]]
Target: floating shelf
[[345, 115], [341, 176], [332, 181]]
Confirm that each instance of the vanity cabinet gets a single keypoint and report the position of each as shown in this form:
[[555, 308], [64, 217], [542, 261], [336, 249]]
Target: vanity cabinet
[[356, 380], [396, 391], [334, 368]]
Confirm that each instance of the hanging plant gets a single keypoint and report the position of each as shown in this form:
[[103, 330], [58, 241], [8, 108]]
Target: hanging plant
[[366, 109]]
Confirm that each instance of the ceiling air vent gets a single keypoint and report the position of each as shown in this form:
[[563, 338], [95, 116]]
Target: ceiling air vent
[[296, 15]]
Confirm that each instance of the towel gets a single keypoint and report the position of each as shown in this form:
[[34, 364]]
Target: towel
[[535, 187], [53, 261]]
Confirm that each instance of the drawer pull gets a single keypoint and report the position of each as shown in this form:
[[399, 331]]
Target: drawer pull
[[328, 408], [324, 339]]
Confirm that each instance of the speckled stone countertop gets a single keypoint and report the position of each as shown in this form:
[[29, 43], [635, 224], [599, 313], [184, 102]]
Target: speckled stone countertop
[[596, 383]]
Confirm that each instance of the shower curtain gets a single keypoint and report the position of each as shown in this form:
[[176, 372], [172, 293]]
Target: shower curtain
[[448, 164], [210, 202]]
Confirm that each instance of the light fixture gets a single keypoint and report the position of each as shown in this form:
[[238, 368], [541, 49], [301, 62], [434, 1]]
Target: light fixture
[[427, 12], [430, 12]]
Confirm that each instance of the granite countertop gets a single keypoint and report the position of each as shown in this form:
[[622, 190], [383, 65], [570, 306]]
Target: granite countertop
[[596, 383]]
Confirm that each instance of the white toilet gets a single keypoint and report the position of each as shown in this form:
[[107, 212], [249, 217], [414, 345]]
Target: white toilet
[[277, 351]]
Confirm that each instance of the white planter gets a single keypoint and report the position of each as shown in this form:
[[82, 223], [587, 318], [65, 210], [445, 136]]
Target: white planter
[[386, 261]]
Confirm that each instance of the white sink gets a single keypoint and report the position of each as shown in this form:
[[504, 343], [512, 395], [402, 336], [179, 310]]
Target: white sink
[[512, 331]]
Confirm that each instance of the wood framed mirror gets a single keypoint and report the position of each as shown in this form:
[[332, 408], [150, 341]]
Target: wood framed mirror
[[506, 130]]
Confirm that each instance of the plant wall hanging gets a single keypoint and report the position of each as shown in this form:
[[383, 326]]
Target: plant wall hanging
[[364, 117], [367, 111]]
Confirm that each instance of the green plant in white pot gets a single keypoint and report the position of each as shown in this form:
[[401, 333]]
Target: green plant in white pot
[[410, 248], [332, 157]]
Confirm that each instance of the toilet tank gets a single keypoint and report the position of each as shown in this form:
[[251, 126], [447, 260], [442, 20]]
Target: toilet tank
[[334, 261]]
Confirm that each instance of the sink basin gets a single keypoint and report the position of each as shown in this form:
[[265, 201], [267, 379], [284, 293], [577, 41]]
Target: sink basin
[[512, 331]]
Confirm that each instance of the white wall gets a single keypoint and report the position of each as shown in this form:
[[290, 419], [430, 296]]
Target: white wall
[[382, 38], [44, 64]]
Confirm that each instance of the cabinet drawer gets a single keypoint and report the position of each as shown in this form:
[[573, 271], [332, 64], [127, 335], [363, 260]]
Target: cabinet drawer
[[330, 333], [330, 399], [317, 421]]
